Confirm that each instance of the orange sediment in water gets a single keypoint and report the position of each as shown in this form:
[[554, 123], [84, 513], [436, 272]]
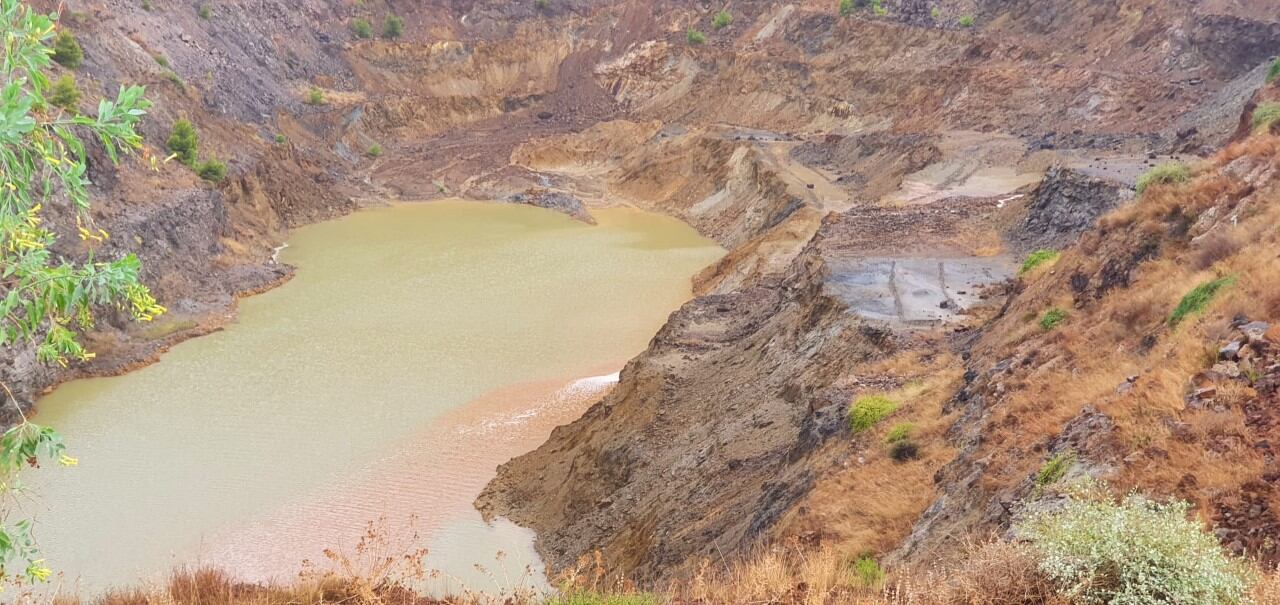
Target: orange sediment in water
[[426, 486]]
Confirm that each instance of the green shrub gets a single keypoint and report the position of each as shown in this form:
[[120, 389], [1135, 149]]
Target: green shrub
[[146, 5], [361, 28], [1264, 115], [65, 93], [1197, 299], [315, 96], [542, 4], [205, 11], [1137, 552], [695, 37], [722, 19], [161, 60], [375, 150], [184, 142], [1274, 71], [867, 411], [66, 49], [1169, 173], [899, 432], [1054, 469], [966, 21], [212, 171], [904, 451], [1037, 259], [392, 27], [935, 13], [868, 571], [846, 8], [878, 9], [280, 140], [1052, 319]]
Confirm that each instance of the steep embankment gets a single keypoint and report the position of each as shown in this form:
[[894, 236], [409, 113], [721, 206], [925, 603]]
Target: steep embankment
[[236, 75], [704, 450], [1161, 378], [771, 369]]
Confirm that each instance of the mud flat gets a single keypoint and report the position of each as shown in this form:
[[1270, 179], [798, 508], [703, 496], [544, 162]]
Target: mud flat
[[914, 291], [418, 347]]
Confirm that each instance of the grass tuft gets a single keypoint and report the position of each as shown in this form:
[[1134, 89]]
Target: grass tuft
[[315, 96], [65, 93], [66, 50], [361, 28], [392, 27], [1037, 259], [900, 432], [213, 171], [868, 411], [1170, 173], [1265, 116], [722, 19], [868, 571], [1054, 469], [1052, 319], [1198, 299]]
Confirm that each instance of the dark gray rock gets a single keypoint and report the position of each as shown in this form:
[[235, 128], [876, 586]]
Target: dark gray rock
[[1064, 205], [554, 200], [1255, 331]]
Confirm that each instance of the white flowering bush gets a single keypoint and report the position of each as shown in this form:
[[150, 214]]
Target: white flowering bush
[[1135, 552]]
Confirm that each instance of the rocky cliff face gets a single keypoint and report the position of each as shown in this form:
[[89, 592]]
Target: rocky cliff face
[[709, 437]]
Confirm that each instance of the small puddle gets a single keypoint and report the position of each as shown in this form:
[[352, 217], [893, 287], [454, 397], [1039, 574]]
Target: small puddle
[[418, 347]]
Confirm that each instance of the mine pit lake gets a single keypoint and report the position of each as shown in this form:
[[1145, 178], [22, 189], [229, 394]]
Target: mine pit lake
[[418, 347]]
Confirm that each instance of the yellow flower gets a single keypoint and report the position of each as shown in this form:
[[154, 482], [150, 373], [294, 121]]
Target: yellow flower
[[38, 571]]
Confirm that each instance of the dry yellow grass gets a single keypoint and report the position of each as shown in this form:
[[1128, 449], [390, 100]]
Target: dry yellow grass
[[1112, 334], [867, 501], [993, 573], [998, 573]]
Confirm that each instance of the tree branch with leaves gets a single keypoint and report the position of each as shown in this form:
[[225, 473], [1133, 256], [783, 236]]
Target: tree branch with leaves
[[47, 301]]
